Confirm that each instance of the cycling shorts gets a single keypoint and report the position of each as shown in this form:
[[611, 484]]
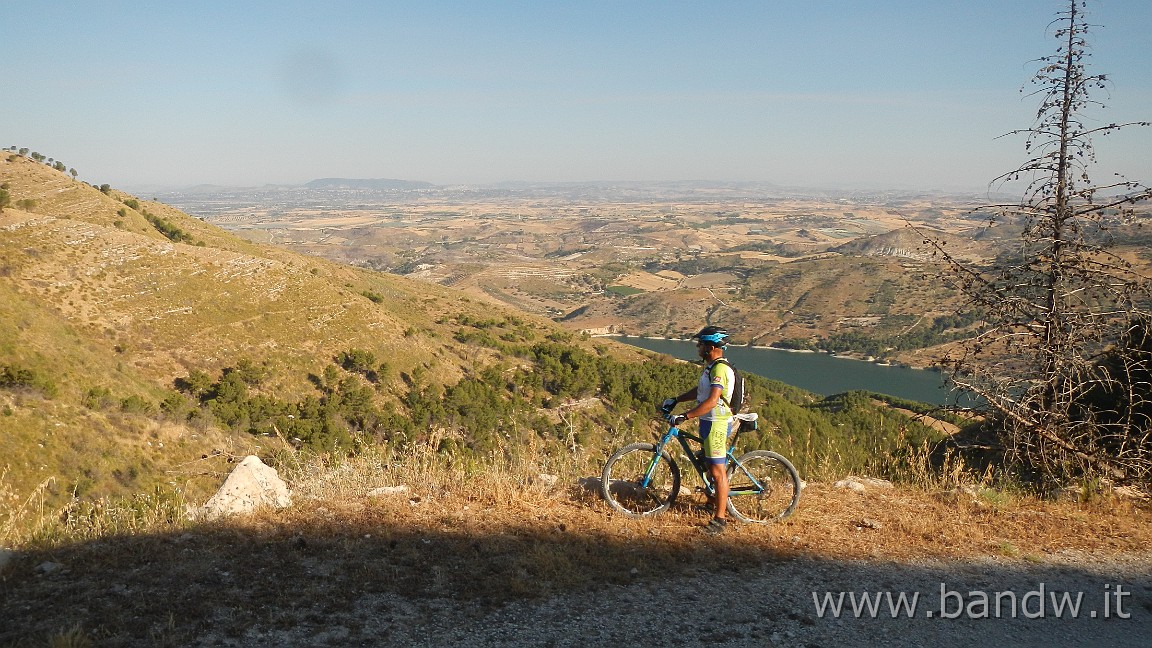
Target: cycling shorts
[[714, 435]]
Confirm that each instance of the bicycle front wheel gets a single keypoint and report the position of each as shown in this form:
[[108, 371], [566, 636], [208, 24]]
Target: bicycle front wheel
[[762, 487], [638, 482]]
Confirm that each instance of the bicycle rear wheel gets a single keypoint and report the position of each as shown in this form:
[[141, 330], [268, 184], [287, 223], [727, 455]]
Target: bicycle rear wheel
[[637, 482], [762, 487]]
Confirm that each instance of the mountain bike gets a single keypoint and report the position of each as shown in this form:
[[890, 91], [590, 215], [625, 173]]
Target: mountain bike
[[643, 479]]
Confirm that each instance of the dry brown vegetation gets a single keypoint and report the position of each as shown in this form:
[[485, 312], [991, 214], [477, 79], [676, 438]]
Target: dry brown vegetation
[[771, 268], [481, 539]]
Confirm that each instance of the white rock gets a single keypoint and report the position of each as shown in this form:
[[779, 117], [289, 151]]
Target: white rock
[[861, 484], [252, 484], [384, 491], [850, 484], [547, 480], [1130, 492], [966, 492]]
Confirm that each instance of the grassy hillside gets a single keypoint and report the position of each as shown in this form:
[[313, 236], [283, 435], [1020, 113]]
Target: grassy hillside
[[811, 299], [106, 300]]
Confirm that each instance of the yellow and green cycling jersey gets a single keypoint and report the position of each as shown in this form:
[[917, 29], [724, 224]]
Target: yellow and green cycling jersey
[[716, 425]]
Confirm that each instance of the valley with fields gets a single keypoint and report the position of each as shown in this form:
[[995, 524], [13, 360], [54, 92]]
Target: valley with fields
[[849, 272], [843, 271]]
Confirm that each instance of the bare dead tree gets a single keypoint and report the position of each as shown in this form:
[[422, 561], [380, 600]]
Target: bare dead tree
[[1063, 359]]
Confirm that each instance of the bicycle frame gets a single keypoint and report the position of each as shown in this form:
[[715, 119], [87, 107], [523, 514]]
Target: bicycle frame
[[683, 437]]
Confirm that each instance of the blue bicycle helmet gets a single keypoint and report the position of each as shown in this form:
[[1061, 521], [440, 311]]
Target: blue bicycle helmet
[[714, 335]]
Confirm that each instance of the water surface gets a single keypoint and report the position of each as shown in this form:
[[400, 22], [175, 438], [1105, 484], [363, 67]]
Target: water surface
[[817, 372]]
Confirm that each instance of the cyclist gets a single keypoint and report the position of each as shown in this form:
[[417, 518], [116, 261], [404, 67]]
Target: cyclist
[[713, 396]]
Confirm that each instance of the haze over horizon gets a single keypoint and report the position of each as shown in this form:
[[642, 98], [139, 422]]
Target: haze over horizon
[[893, 94]]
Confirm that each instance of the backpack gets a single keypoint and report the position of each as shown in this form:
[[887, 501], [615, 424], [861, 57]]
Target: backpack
[[739, 394]]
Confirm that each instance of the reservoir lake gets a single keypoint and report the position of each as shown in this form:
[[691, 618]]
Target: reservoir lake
[[817, 372]]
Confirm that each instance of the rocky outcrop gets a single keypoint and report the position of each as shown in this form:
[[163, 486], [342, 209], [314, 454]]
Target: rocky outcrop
[[251, 485]]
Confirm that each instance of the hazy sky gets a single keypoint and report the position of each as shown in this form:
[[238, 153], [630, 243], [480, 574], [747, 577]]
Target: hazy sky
[[872, 93]]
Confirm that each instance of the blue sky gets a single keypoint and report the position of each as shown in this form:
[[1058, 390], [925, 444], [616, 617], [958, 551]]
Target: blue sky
[[861, 93]]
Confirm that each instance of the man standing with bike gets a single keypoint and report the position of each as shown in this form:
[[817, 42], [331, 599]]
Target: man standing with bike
[[713, 396]]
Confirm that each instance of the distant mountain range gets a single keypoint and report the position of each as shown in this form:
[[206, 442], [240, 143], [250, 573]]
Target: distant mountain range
[[577, 191], [380, 184]]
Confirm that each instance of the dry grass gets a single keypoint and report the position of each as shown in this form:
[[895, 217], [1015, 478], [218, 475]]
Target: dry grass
[[474, 504], [932, 516], [18, 508], [904, 523]]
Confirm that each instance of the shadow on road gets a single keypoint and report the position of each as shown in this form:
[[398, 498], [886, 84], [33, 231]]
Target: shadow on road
[[325, 582]]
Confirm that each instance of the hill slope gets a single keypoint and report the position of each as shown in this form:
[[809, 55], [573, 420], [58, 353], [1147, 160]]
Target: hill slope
[[107, 300]]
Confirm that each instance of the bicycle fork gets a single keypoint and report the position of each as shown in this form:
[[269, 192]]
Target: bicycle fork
[[647, 480]]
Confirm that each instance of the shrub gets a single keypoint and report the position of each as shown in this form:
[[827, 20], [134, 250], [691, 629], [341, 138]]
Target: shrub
[[13, 377], [97, 398], [137, 405], [172, 232], [362, 362], [176, 406]]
